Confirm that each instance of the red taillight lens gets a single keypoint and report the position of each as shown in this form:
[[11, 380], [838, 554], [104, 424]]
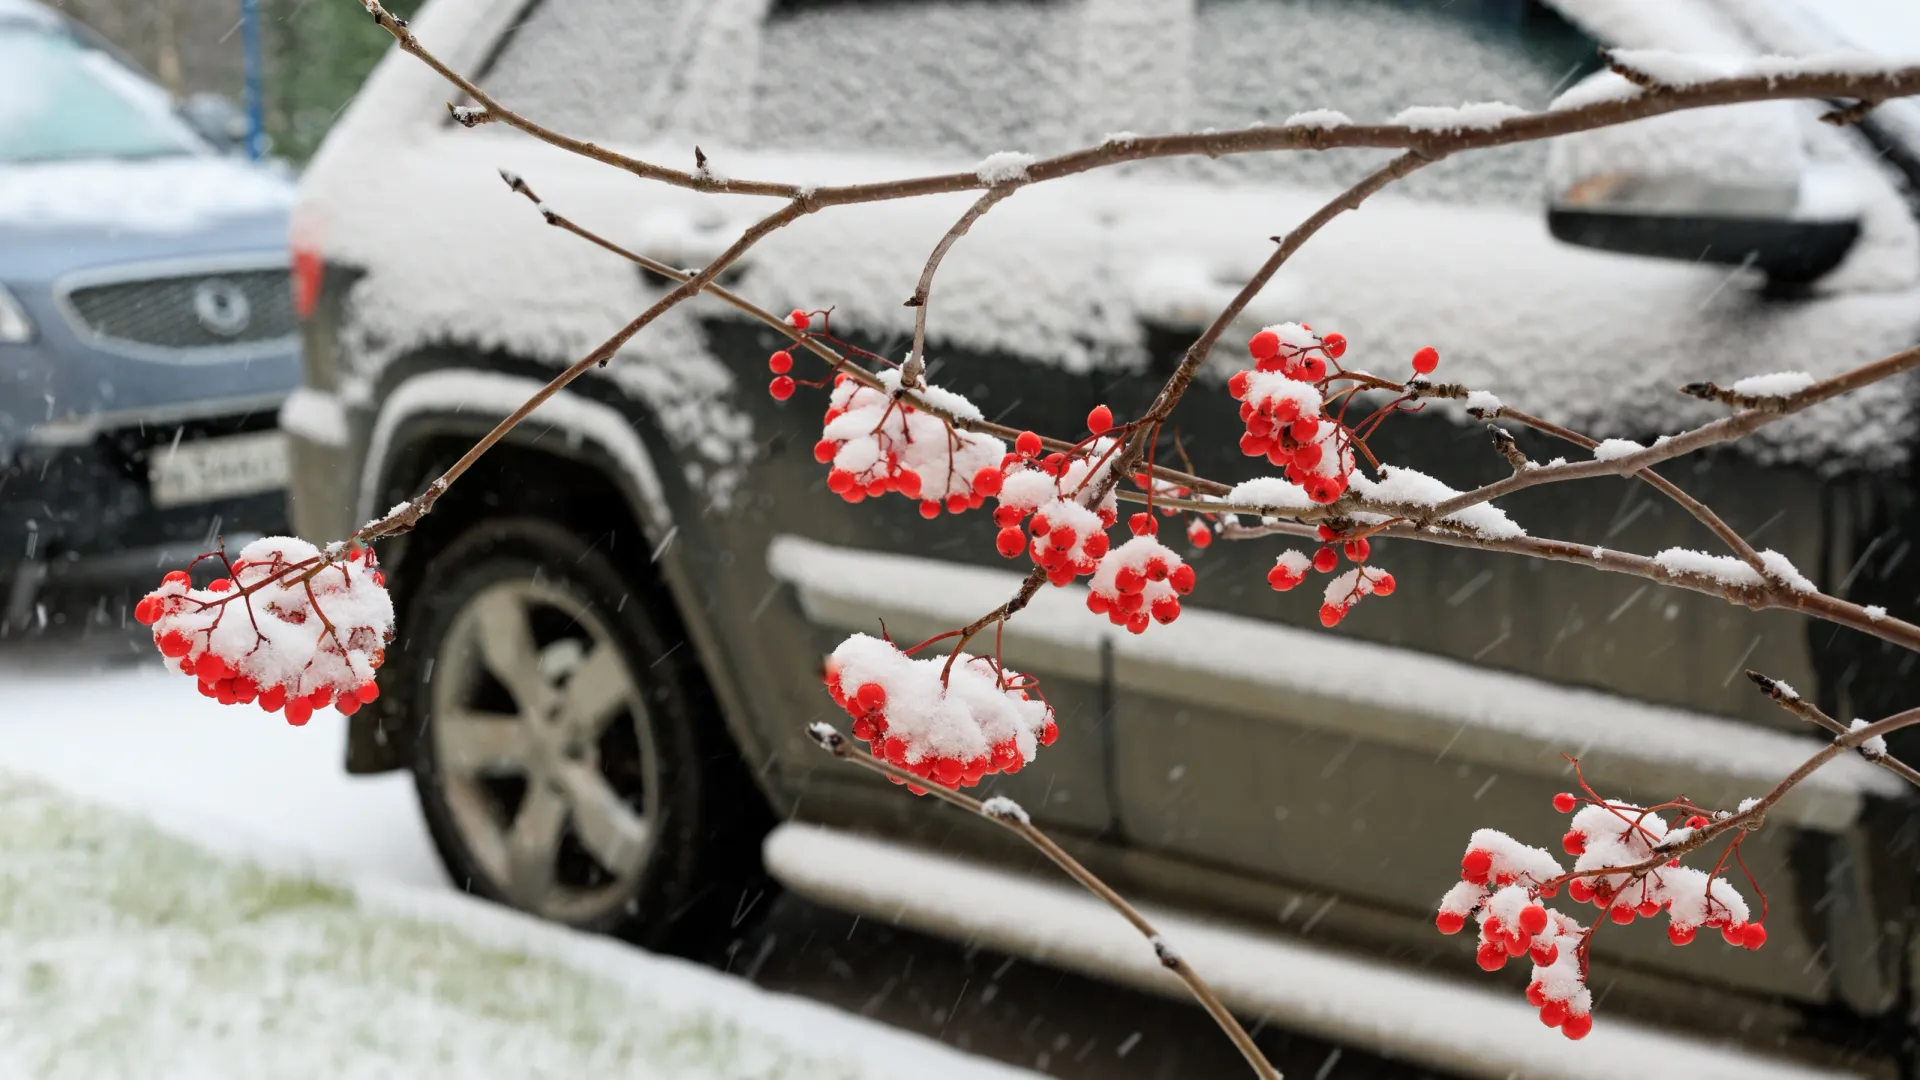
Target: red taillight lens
[[307, 269]]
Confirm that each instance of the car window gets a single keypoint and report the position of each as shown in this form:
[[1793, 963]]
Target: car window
[[62, 100], [960, 79], [1413, 52]]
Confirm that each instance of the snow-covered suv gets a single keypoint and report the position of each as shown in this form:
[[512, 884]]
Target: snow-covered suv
[[654, 560]]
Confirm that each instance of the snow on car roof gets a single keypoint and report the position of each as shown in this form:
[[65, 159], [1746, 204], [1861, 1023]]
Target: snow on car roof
[[1070, 273]]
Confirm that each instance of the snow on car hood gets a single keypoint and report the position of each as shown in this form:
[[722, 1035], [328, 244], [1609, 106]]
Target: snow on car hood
[[158, 195], [1071, 272]]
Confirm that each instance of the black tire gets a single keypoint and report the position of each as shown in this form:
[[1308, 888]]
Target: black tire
[[664, 753]]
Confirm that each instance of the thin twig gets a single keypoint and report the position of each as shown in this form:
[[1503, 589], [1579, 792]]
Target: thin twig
[[1007, 813], [910, 375], [1785, 697]]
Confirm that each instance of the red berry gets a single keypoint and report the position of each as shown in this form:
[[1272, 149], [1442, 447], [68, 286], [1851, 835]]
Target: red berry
[[1491, 957], [987, 481], [824, 450], [1575, 842], [1533, 918], [1357, 550], [780, 362], [800, 319], [1536, 994], [1336, 344], [220, 584], [1100, 420], [1620, 913], [174, 644], [1564, 802], [1237, 385], [1544, 955], [1553, 1013], [929, 510], [1325, 560], [175, 577], [1182, 579], [1449, 923], [1577, 1026], [1679, 935], [1011, 541], [1754, 936], [1579, 891], [1199, 535], [298, 711], [1049, 733], [147, 611], [1426, 360], [1383, 584], [1647, 909], [871, 696], [1143, 525], [1264, 345], [1475, 865], [781, 388], [1028, 444]]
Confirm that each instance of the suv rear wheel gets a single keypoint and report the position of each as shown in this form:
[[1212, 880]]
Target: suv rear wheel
[[556, 753]]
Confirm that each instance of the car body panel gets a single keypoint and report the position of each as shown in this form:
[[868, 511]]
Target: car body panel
[[1239, 800]]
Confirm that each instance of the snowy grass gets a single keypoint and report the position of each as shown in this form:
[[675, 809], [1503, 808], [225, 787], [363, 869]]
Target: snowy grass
[[279, 950]]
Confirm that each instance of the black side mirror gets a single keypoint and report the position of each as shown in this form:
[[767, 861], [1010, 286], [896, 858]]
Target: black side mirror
[[1789, 252], [216, 120]]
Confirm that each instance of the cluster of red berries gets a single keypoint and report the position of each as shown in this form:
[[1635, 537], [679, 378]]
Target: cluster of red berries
[[1282, 406], [1617, 834], [1290, 569], [1501, 883], [983, 719], [261, 636], [1140, 581], [1062, 535], [876, 443]]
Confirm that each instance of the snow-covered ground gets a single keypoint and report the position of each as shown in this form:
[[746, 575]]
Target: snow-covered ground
[[195, 891]]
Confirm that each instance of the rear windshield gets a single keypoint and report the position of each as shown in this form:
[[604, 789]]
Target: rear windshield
[[959, 79], [61, 100]]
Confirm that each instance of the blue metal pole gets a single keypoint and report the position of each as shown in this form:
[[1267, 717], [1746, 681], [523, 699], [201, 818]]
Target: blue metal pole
[[256, 107]]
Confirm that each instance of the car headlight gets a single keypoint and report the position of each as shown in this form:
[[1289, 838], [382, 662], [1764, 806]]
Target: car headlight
[[15, 327]]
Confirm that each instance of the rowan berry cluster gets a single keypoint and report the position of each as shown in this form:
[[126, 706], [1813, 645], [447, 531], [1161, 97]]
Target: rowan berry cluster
[[1142, 580], [1282, 404], [877, 443], [1345, 590], [1502, 882], [950, 720], [1063, 535], [290, 630]]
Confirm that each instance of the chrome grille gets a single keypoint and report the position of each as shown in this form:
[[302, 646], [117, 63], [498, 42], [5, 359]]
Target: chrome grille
[[190, 311]]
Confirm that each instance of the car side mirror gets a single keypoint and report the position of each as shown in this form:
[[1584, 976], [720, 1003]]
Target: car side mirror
[[216, 120], [1731, 186]]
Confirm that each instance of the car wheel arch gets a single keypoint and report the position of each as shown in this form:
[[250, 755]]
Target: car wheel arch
[[598, 456]]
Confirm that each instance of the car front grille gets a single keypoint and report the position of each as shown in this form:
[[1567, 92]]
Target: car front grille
[[202, 310]]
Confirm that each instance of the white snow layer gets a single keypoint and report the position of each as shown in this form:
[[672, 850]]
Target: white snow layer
[[1778, 384], [163, 195], [211, 967], [302, 927], [453, 256], [1475, 1029], [1526, 723]]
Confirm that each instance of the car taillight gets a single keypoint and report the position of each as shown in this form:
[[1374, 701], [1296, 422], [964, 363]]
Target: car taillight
[[307, 269]]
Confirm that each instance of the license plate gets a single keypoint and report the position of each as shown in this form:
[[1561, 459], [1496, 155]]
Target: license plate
[[209, 469]]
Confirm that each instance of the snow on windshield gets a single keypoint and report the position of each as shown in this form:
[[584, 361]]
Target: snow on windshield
[[61, 101]]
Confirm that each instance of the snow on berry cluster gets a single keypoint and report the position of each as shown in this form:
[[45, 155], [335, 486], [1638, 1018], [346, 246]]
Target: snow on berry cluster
[[1049, 493], [1345, 590], [1140, 580], [1620, 834], [978, 720], [1502, 882], [1282, 406], [877, 443], [288, 631]]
